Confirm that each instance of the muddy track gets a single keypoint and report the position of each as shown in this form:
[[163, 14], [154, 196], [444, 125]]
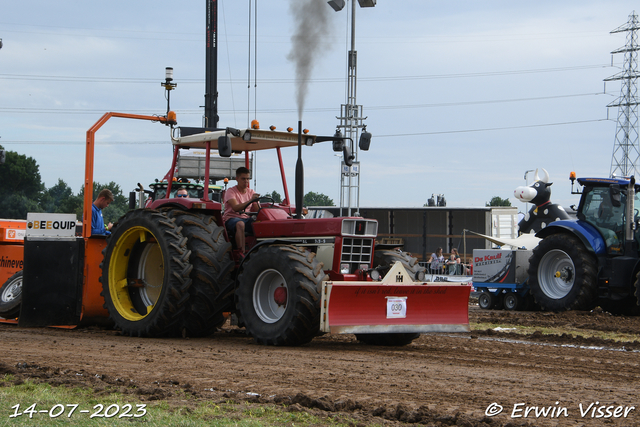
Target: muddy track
[[437, 380]]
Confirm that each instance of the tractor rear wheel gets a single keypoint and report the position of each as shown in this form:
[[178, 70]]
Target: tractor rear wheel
[[626, 305], [11, 296], [386, 257], [562, 274], [278, 296], [390, 340], [211, 291], [145, 274]]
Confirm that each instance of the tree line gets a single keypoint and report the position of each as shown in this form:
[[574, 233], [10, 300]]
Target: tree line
[[23, 191]]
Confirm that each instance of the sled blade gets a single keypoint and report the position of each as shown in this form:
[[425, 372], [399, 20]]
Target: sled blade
[[374, 307]]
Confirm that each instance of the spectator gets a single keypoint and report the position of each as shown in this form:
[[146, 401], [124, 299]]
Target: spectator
[[105, 197], [437, 261]]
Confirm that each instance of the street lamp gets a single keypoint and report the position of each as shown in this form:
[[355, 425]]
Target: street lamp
[[351, 119]]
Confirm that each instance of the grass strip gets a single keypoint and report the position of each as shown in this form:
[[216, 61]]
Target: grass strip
[[112, 409], [547, 330]]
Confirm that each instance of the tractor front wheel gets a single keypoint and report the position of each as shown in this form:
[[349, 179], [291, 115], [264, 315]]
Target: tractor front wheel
[[145, 274], [562, 274], [385, 257], [278, 296], [11, 296]]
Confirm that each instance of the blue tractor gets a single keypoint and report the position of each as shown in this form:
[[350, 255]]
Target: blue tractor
[[592, 260]]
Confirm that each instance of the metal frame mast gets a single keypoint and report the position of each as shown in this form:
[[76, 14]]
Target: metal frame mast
[[626, 147], [351, 121]]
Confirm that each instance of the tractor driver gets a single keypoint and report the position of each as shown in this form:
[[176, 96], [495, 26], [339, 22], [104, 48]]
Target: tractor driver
[[105, 197], [237, 199]]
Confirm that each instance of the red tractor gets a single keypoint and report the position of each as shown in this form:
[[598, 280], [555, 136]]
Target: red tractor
[[169, 269]]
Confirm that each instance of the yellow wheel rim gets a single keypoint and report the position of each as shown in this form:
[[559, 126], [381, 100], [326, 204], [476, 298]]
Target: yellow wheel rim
[[149, 273]]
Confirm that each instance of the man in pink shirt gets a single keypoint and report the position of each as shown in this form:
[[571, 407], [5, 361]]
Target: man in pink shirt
[[237, 199]]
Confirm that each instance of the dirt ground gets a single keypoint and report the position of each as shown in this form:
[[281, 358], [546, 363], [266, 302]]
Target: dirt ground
[[438, 380]]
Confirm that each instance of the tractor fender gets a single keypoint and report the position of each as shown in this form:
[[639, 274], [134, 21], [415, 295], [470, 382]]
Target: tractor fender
[[587, 233]]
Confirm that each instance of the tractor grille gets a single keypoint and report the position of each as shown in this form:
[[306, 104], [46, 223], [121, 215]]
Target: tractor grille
[[356, 251]]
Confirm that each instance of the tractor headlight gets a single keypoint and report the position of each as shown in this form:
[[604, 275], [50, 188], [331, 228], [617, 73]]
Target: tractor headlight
[[420, 276], [344, 268], [374, 274]]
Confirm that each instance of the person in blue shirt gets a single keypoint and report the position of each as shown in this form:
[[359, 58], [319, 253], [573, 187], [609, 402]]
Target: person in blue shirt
[[105, 197]]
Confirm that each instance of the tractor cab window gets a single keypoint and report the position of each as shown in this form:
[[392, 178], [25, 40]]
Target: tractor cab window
[[599, 211]]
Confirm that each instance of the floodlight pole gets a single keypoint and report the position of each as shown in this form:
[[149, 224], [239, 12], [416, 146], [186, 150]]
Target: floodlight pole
[[351, 120]]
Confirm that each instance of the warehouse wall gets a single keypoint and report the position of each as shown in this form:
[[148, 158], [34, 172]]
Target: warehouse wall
[[427, 228]]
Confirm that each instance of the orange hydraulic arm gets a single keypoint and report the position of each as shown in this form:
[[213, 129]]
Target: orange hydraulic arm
[[88, 171], [92, 301]]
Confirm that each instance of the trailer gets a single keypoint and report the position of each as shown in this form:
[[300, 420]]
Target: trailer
[[501, 278]]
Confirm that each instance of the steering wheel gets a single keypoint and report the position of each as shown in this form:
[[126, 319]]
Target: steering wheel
[[265, 198]]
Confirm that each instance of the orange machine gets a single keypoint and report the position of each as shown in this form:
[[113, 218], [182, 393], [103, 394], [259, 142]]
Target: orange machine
[[12, 233], [65, 290]]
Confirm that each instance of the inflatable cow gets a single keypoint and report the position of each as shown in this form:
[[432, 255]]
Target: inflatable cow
[[544, 212]]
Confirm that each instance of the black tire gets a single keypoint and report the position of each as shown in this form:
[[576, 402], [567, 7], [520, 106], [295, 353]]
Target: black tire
[[620, 307], [11, 296], [146, 264], [562, 274], [634, 310], [625, 306], [529, 303], [513, 301], [212, 287], [270, 315], [387, 339], [486, 300], [386, 257]]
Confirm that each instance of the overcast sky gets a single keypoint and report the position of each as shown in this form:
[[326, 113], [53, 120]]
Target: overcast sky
[[462, 97]]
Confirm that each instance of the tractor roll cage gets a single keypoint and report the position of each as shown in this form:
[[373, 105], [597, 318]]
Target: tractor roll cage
[[242, 140]]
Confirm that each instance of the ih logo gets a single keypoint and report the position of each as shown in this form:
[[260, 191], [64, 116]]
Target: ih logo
[[399, 278], [11, 234]]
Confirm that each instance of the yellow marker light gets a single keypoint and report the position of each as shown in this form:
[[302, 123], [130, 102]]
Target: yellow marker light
[[572, 175], [272, 127], [305, 131], [289, 129], [171, 117], [255, 124]]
